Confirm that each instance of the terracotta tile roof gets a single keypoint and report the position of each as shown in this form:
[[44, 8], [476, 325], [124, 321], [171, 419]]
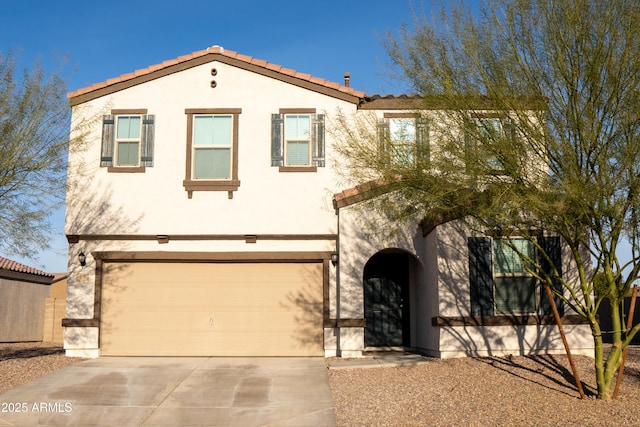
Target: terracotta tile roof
[[217, 50], [7, 264], [360, 192]]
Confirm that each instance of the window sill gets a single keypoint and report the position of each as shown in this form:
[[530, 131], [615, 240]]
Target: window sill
[[223, 185], [298, 169], [505, 320], [126, 169]]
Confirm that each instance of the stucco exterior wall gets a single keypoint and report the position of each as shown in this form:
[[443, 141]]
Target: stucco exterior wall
[[267, 201], [294, 209], [22, 310], [455, 301]]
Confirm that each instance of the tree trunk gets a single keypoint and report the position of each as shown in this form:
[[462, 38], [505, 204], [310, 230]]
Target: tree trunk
[[599, 358], [605, 371]]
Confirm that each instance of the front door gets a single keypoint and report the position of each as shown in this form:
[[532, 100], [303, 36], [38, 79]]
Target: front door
[[386, 295]]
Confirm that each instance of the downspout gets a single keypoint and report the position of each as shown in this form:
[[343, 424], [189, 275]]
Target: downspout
[[337, 272]]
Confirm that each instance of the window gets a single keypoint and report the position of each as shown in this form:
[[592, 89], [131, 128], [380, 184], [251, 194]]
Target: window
[[404, 138], [484, 137], [498, 277], [212, 150], [515, 287], [127, 141], [297, 140], [212, 145]]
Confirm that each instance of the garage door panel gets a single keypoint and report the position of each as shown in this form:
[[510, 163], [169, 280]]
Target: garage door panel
[[212, 309]]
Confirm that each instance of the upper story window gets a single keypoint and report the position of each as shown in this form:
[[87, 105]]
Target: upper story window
[[127, 140], [212, 146], [297, 140], [404, 138], [128, 131], [501, 281], [484, 141], [212, 150]]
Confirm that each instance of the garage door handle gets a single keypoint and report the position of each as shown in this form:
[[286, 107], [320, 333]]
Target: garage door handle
[[211, 321]]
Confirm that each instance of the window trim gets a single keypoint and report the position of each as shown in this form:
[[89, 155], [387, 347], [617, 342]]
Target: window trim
[[471, 141], [230, 185], [392, 145], [117, 141], [308, 141], [113, 168], [312, 113], [421, 142]]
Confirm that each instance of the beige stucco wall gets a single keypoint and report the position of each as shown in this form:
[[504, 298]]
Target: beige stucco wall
[[54, 312], [21, 310]]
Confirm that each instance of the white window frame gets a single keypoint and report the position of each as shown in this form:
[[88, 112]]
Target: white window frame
[[214, 147], [307, 140], [117, 141], [401, 146]]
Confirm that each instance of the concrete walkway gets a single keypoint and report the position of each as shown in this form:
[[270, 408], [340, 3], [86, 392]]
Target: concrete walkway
[[164, 391]]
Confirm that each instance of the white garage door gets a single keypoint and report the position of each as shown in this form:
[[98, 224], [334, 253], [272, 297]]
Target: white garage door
[[211, 309]]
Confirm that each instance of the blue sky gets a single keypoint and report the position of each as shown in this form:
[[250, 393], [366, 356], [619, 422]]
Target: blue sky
[[101, 40]]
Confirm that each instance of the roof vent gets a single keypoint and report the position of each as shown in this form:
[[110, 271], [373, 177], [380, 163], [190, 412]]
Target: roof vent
[[347, 78]]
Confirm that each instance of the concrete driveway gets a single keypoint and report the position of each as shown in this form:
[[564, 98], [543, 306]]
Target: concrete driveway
[[167, 391]]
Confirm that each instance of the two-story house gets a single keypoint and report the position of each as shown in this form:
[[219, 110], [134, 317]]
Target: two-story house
[[205, 217]]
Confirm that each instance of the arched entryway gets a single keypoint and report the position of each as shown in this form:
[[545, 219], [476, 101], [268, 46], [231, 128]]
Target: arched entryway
[[386, 281]]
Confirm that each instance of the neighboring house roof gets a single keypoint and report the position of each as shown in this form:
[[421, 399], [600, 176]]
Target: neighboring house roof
[[59, 276], [214, 53], [14, 270]]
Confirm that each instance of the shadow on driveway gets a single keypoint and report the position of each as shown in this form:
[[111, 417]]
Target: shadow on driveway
[[171, 391]]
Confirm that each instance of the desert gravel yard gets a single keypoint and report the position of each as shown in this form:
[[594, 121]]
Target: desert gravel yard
[[21, 363], [509, 391]]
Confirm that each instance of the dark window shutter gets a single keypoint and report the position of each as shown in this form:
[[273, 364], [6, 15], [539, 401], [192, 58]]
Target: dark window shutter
[[551, 245], [108, 135], [422, 140], [383, 137], [277, 140], [480, 276], [317, 141], [470, 144], [146, 156]]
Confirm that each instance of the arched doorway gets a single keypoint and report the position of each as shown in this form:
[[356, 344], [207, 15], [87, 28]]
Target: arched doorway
[[386, 300]]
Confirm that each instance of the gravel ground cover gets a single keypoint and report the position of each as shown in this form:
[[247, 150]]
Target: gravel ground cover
[[21, 363], [496, 391]]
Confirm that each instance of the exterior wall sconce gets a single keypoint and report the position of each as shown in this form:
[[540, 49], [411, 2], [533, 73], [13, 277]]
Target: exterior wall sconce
[[334, 258], [82, 258]]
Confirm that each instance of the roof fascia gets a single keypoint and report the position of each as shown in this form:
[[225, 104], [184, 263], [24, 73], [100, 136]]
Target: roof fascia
[[438, 102], [208, 58]]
